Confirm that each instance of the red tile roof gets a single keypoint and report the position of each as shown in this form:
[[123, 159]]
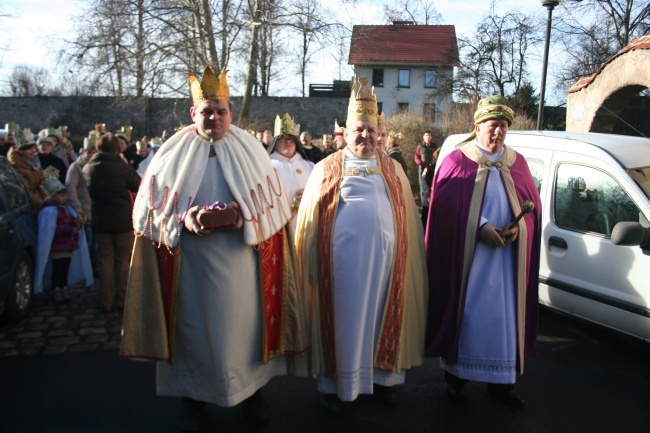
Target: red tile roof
[[640, 43], [403, 45]]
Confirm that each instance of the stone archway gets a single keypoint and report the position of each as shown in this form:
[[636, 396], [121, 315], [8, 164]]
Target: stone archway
[[595, 102]]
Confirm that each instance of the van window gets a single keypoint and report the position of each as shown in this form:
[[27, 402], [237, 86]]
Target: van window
[[590, 200], [536, 167]]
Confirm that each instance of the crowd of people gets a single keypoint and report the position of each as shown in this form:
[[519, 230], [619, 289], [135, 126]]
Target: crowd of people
[[84, 202], [258, 254]]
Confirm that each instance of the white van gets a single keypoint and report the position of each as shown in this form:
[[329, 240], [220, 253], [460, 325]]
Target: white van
[[588, 183]]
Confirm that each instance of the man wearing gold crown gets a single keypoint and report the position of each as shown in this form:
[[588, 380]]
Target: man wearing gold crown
[[393, 149], [361, 259], [226, 301], [382, 133], [483, 268], [327, 145], [339, 139]]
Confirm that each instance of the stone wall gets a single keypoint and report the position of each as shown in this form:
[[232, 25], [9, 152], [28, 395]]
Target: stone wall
[[150, 116]]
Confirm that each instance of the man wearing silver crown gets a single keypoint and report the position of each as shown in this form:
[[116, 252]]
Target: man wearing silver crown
[[227, 311], [361, 259]]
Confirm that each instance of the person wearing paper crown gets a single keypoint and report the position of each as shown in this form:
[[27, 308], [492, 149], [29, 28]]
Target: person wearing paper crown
[[361, 252], [62, 242], [230, 310], [394, 150], [382, 133], [52, 164], [24, 160], [290, 160], [327, 145], [483, 271], [339, 139]]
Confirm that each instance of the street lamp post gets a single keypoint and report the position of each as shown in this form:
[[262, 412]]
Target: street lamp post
[[550, 5]]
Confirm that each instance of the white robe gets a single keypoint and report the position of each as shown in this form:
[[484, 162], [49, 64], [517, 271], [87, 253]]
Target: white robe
[[294, 173], [487, 347], [142, 166], [218, 351], [363, 244]]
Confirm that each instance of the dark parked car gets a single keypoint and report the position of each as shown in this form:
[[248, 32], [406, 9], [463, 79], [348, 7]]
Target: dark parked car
[[17, 245]]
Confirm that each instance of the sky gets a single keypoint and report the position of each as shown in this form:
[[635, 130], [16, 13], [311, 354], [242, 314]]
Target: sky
[[32, 30]]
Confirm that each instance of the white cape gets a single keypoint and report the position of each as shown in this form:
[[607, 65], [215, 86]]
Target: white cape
[[172, 180]]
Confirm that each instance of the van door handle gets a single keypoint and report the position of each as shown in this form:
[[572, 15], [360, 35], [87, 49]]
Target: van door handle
[[554, 241]]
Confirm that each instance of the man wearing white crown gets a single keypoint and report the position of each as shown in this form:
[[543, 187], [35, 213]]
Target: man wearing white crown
[[226, 296], [361, 259]]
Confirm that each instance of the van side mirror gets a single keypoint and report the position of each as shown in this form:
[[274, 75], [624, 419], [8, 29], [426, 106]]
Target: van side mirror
[[631, 233]]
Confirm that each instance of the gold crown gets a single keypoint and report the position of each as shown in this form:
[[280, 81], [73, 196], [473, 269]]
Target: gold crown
[[327, 137], [100, 128], [13, 127], [50, 131], [363, 104], [338, 129], [395, 137], [125, 129], [285, 125], [27, 136], [381, 122], [52, 185], [210, 88]]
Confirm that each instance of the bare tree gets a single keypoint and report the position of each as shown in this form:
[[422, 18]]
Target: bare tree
[[269, 47], [29, 81], [494, 58], [592, 31], [251, 75], [307, 19], [418, 11], [142, 47]]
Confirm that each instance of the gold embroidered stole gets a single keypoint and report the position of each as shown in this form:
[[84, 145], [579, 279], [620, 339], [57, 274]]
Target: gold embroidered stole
[[387, 350], [503, 164]]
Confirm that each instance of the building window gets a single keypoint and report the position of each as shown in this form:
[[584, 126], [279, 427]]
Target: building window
[[380, 107], [429, 112], [378, 77], [404, 78], [402, 107], [430, 78]]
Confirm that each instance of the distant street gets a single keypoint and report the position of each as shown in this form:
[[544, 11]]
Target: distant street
[[583, 379]]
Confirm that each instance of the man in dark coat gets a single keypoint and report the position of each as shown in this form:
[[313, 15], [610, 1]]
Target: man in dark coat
[[111, 182]]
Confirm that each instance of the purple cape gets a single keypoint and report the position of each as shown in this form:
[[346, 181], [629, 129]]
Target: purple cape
[[445, 239]]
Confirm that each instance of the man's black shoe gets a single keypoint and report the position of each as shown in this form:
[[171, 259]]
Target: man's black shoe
[[384, 395], [455, 391], [257, 409], [192, 417], [329, 403], [510, 398], [505, 394]]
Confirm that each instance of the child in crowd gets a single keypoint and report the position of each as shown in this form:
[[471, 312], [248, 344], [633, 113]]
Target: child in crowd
[[61, 240]]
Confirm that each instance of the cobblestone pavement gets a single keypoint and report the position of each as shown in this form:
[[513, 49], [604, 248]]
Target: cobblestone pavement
[[79, 325]]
